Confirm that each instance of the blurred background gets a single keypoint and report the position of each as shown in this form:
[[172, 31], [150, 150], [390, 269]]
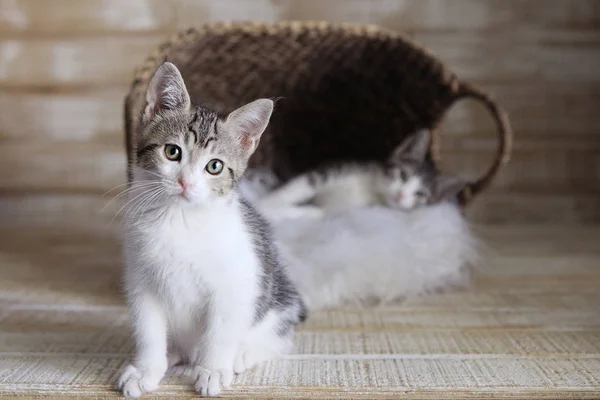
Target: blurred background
[[65, 67]]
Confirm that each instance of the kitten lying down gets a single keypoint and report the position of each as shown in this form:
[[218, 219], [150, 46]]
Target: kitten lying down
[[407, 180], [372, 231], [373, 252]]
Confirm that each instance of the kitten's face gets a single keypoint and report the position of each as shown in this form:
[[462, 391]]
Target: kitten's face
[[407, 185], [411, 180], [191, 155]]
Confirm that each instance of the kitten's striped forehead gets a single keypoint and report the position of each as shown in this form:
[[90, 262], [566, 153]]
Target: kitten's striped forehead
[[199, 128], [202, 127]]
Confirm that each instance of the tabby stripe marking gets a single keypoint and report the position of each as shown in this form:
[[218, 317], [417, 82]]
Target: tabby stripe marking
[[195, 134], [207, 141], [215, 127], [191, 127]]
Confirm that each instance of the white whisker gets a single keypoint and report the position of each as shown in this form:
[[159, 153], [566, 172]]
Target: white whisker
[[149, 201], [136, 204], [149, 172], [125, 184], [129, 202], [129, 190], [142, 202]]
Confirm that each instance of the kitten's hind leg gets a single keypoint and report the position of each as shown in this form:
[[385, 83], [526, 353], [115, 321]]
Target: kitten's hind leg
[[270, 339]]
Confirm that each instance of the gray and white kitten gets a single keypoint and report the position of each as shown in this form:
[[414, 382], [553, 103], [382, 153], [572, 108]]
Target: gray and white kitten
[[405, 181], [204, 280]]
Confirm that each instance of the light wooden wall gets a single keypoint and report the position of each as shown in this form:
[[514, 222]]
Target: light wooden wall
[[65, 66]]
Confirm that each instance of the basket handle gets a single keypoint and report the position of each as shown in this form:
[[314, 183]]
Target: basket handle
[[472, 189]]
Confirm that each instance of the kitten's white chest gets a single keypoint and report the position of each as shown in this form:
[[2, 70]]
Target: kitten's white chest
[[190, 254]]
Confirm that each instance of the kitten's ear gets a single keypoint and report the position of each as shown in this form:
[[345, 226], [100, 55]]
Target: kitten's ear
[[248, 123], [166, 91], [447, 187], [414, 147]]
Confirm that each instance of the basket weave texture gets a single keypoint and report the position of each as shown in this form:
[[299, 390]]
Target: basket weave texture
[[346, 92]]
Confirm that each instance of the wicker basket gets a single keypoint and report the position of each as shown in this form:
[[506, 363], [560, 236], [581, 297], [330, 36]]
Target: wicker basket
[[346, 92]]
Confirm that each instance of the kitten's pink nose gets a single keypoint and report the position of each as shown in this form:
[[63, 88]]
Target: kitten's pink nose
[[182, 183], [399, 196]]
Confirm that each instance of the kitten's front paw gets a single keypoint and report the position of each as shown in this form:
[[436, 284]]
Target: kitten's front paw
[[210, 383], [135, 382]]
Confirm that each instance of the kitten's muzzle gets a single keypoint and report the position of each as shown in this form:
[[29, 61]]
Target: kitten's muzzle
[[184, 185], [185, 189]]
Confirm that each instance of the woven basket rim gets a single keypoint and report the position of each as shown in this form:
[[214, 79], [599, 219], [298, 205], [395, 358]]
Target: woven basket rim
[[273, 28]]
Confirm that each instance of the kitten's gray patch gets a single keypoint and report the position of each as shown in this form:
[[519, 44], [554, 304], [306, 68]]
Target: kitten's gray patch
[[146, 150], [277, 291]]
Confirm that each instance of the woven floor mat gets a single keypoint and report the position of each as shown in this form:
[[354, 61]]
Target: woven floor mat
[[528, 327]]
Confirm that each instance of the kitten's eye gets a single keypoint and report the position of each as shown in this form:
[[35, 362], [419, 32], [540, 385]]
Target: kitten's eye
[[214, 167], [173, 152], [403, 175], [420, 194]]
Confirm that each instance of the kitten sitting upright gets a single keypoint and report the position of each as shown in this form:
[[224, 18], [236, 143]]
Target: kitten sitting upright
[[204, 280], [407, 180]]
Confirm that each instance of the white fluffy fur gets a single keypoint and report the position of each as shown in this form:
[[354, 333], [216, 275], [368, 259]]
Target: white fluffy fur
[[367, 253], [179, 265], [376, 253]]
